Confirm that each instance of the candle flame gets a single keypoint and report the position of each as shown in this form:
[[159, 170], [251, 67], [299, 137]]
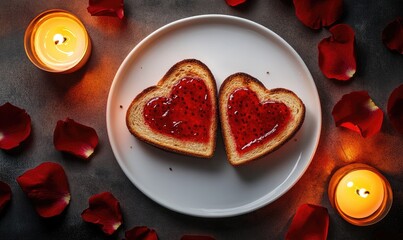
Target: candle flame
[[363, 192], [59, 39]]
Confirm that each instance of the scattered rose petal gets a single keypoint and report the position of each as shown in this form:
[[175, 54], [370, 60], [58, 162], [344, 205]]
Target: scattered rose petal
[[15, 126], [104, 210], [337, 58], [395, 108], [75, 138], [5, 195], [310, 222], [316, 14], [234, 3], [112, 8], [141, 233], [356, 111], [392, 35], [47, 187], [196, 237]]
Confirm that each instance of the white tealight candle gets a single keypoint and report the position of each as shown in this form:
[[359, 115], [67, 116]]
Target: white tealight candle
[[360, 194], [57, 41]]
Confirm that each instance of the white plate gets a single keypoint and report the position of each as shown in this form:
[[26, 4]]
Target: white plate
[[212, 187]]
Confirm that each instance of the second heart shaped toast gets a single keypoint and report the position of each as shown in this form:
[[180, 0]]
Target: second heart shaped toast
[[179, 114], [254, 120]]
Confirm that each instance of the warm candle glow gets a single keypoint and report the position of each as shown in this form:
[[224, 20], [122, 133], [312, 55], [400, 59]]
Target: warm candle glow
[[60, 42], [57, 41], [360, 193]]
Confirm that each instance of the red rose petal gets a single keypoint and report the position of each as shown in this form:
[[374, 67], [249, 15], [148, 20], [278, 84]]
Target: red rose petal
[[141, 233], [15, 126], [234, 3], [112, 8], [356, 111], [337, 53], [392, 35], [196, 237], [104, 210], [47, 187], [316, 14], [395, 108], [310, 222], [5, 195], [75, 138]]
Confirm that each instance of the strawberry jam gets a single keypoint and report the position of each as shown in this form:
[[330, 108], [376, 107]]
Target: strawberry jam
[[185, 114], [254, 123]]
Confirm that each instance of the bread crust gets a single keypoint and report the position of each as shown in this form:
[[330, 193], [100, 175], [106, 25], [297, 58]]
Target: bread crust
[[135, 118], [243, 80]]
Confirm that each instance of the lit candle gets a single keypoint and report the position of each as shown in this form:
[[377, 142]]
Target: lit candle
[[360, 194], [57, 41]]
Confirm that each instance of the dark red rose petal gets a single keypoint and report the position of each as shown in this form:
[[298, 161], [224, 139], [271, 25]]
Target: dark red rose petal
[[112, 8], [234, 3], [5, 195], [392, 35], [47, 187], [356, 111], [395, 108], [15, 126], [337, 59], [104, 210], [196, 237], [75, 138], [316, 14], [141, 233], [310, 222]]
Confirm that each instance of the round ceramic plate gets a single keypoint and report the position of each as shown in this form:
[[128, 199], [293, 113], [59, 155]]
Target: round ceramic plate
[[212, 187]]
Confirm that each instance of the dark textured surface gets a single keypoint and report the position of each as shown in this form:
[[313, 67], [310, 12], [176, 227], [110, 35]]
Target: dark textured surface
[[83, 96]]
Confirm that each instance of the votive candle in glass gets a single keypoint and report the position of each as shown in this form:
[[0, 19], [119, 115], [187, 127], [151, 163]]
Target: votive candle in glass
[[360, 194], [57, 41]]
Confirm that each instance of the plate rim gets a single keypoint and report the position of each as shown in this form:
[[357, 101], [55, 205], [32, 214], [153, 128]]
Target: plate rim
[[240, 209]]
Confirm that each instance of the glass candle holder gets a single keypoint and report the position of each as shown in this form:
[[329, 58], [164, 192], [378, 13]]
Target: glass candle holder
[[360, 194], [57, 41]]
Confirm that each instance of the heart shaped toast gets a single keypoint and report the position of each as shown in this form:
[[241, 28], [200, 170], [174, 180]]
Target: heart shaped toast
[[179, 114], [254, 120]]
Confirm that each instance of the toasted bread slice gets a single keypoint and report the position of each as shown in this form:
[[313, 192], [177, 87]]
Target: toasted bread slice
[[256, 121], [179, 114]]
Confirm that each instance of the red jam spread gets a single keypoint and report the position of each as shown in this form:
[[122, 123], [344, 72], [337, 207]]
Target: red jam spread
[[185, 114], [253, 123]]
